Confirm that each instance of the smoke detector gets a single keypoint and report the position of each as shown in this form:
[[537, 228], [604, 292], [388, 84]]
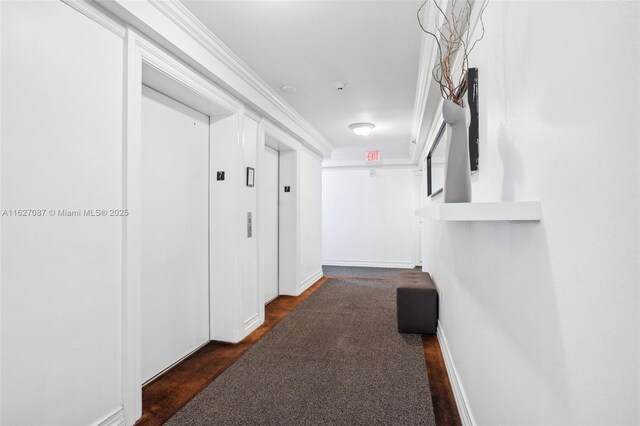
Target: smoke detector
[[340, 85], [287, 88]]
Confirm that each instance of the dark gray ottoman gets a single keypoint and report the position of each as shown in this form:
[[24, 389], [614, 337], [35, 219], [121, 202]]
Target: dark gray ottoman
[[417, 303]]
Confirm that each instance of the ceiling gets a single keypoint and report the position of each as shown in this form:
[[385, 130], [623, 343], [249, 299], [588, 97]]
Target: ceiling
[[372, 45]]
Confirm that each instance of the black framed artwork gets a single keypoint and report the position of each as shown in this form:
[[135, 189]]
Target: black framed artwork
[[251, 176], [474, 130], [436, 157]]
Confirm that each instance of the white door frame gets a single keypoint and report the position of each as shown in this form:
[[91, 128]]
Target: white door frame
[[288, 280], [201, 94], [260, 195]]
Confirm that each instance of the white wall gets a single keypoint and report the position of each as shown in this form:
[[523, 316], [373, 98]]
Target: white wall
[[61, 276], [310, 246], [369, 220], [228, 221], [541, 319], [251, 296]]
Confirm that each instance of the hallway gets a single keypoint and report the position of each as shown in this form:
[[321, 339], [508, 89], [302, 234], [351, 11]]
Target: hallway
[[340, 212], [325, 354]]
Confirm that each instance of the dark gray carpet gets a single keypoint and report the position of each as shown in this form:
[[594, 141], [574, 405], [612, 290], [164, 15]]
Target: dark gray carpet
[[368, 272], [337, 359]]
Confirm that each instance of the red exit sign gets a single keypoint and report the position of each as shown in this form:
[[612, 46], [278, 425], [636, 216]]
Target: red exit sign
[[373, 157]]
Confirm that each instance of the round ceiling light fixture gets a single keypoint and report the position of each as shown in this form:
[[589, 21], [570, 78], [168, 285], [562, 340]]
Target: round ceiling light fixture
[[362, 129], [287, 88]]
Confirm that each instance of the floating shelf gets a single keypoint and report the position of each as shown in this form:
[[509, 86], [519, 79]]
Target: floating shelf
[[510, 211]]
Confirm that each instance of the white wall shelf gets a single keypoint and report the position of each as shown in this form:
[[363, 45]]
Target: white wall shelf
[[504, 211]]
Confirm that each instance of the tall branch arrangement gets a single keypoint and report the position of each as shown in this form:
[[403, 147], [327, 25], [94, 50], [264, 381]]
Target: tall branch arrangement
[[453, 38]]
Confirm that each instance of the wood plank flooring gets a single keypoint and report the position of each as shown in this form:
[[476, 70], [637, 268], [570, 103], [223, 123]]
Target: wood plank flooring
[[444, 403], [166, 395]]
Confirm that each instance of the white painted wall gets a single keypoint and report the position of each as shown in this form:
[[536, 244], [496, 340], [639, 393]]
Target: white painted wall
[[310, 178], [368, 220], [61, 276], [251, 297], [227, 225], [541, 319]]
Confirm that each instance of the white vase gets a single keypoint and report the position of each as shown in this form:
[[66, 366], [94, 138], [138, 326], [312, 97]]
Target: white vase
[[457, 170]]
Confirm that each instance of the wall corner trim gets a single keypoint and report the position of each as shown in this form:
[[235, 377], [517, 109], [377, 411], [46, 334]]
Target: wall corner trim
[[462, 402]]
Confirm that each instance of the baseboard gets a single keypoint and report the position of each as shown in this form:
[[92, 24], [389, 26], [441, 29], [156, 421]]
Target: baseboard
[[114, 419], [251, 324], [370, 264], [308, 282], [466, 416]]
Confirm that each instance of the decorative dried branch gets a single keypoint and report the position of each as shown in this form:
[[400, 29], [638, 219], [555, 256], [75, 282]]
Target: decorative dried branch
[[453, 38]]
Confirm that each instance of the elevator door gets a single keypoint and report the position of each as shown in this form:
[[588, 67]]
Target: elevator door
[[270, 225], [174, 221]]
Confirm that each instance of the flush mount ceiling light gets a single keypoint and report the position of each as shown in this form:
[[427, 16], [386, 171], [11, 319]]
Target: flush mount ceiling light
[[361, 129], [288, 88]]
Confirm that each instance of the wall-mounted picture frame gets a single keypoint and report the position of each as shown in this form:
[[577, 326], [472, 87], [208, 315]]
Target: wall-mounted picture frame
[[474, 129], [251, 176]]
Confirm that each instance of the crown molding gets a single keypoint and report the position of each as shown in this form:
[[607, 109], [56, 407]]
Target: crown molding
[[185, 20], [356, 163], [428, 56], [97, 15], [164, 63], [275, 132]]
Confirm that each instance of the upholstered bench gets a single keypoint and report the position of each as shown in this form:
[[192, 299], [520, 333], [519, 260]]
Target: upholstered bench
[[417, 303]]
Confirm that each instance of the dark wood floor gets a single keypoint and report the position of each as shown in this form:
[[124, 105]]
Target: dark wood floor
[[444, 403], [166, 395]]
